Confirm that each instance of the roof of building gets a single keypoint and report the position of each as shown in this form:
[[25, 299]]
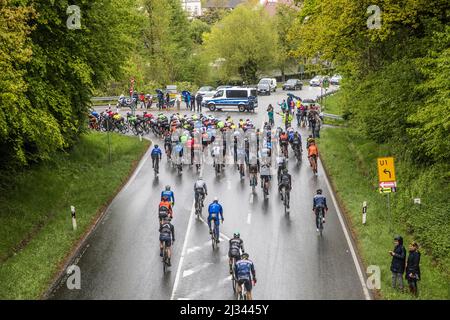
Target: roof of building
[[271, 6], [223, 3]]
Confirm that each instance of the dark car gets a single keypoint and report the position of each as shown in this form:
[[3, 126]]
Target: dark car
[[293, 84]]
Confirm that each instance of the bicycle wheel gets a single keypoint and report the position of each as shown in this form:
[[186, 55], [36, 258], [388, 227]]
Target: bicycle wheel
[[320, 222], [164, 257]]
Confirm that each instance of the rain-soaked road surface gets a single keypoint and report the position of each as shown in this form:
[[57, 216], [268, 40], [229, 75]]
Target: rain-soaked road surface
[[121, 260]]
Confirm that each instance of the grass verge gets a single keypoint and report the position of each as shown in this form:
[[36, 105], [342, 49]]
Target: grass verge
[[35, 221], [333, 104], [351, 164]]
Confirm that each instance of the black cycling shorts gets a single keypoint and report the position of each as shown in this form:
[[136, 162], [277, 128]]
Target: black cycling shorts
[[166, 238], [247, 283], [233, 253]]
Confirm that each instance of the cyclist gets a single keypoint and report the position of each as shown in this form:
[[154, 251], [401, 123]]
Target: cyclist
[[313, 154], [285, 182], [284, 142], [244, 272], [165, 209], [297, 142], [167, 235], [281, 163], [200, 188], [319, 201], [169, 194], [156, 155], [214, 210], [253, 170], [168, 145], [236, 245]]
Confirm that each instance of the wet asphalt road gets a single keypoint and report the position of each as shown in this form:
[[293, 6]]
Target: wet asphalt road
[[121, 257]]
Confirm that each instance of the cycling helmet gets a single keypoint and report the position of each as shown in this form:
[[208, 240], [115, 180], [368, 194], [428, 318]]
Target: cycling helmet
[[167, 188], [156, 146], [236, 234], [319, 191], [245, 255], [216, 199]]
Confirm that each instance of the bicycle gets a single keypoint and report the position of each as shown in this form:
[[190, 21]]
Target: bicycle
[[297, 153], [285, 196], [265, 187], [215, 235], [156, 167], [241, 170], [199, 205], [165, 258], [253, 182], [320, 222]]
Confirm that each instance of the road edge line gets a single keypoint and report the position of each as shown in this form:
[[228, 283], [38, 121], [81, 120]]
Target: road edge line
[[347, 236], [77, 250], [183, 251]]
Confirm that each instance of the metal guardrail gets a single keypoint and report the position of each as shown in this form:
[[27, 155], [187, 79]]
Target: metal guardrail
[[332, 116], [105, 98]]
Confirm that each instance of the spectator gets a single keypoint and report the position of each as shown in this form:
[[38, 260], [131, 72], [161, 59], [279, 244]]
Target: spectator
[[142, 100], [412, 267], [199, 100], [187, 99], [398, 263], [283, 106], [192, 98], [270, 114]]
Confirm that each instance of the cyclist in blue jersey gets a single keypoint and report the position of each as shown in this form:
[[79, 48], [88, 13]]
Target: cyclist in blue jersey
[[156, 155], [215, 210], [244, 272], [169, 194], [319, 201]]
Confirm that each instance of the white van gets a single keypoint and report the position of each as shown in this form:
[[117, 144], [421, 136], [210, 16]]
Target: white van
[[244, 99], [272, 82]]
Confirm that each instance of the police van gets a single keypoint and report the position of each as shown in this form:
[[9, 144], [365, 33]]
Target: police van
[[243, 99]]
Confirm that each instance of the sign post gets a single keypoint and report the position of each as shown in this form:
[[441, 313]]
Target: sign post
[[386, 181], [364, 212], [74, 219]]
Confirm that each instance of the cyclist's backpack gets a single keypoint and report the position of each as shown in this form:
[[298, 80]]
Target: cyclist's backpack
[[285, 179], [319, 201], [163, 212]]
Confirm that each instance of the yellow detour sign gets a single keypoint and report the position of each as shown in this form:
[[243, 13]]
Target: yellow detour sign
[[386, 170]]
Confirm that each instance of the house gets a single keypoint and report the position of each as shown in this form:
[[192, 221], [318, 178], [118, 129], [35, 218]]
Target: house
[[271, 5], [192, 7], [227, 4]]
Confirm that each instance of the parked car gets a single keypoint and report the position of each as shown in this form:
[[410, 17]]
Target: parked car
[[244, 99], [336, 79], [271, 81], [203, 90], [316, 81], [264, 88], [293, 84]]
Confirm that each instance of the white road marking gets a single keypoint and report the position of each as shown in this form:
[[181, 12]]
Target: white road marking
[[229, 184], [347, 237], [220, 233], [198, 248], [180, 264], [196, 269], [251, 198], [249, 218]]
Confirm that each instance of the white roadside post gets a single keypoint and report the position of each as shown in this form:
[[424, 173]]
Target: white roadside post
[[74, 219], [364, 212]]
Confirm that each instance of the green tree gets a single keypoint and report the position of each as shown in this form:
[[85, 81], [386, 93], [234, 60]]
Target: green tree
[[244, 42], [55, 69], [284, 18]]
